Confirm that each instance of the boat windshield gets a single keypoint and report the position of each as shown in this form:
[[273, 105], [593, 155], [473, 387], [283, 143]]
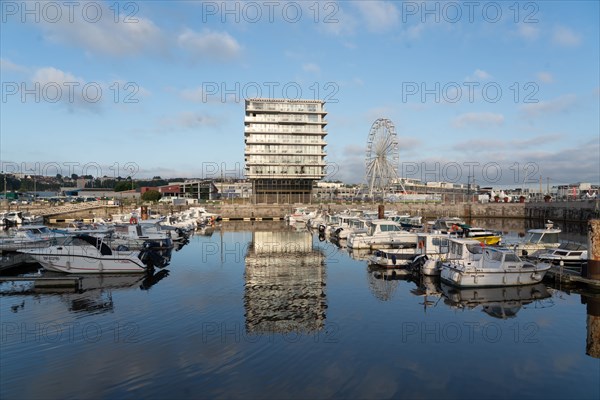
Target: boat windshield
[[546, 237], [84, 240], [475, 248]]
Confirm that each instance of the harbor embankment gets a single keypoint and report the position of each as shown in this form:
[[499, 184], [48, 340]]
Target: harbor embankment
[[575, 211]]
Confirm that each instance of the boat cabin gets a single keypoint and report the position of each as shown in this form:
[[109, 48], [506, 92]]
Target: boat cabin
[[433, 244], [383, 226], [87, 240]]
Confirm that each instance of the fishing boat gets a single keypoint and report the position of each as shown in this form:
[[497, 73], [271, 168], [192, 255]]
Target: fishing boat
[[88, 254], [472, 264]]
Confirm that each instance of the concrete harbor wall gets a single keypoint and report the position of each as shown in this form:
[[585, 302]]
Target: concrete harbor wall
[[580, 211]]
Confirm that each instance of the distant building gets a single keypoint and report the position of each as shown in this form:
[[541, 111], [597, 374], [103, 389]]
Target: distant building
[[198, 189], [172, 190], [285, 148], [234, 190]]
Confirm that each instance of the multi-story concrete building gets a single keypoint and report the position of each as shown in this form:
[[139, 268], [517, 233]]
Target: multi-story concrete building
[[285, 148]]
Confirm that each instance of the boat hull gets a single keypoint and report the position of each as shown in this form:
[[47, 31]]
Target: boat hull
[[490, 278], [82, 264]]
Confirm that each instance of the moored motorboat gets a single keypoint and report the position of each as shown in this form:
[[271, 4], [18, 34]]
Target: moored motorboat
[[381, 234], [89, 254], [472, 264], [537, 239], [567, 254]]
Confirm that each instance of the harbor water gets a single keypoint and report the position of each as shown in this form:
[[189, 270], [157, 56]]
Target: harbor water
[[264, 310]]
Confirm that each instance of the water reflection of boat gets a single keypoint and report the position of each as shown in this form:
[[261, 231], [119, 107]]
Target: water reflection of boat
[[498, 302], [360, 255], [383, 282], [428, 287], [284, 284], [93, 293]]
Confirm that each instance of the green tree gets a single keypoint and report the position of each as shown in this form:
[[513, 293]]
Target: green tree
[[152, 195], [123, 185]]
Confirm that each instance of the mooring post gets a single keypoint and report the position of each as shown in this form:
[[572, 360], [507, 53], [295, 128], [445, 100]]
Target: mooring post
[[593, 264], [380, 211]]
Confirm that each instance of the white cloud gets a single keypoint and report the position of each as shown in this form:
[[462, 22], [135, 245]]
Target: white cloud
[[57, 86], [106, 36], [528, 32], [311, 67], [209, 45], [545, 77], [336, 20], [565, 37], [7, 65], [558, 105], [379, 16], [481, 120], [478, 75]]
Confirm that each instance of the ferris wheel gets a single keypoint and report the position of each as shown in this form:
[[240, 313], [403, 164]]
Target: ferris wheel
[[382, 157]]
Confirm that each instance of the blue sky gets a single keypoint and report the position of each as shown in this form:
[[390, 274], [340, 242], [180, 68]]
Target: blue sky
[[504, 91]]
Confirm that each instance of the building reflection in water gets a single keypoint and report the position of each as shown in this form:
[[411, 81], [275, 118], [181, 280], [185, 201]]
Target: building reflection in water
[[284, 284], [592, 302]]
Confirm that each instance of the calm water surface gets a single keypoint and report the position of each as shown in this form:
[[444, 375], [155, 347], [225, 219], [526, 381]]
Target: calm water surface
[[260, 310]]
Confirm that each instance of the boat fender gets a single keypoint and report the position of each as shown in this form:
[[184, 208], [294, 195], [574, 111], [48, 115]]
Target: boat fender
[[133, 220], [394, 259]]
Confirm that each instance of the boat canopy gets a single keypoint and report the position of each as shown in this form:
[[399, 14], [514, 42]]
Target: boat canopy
[[102, 247]]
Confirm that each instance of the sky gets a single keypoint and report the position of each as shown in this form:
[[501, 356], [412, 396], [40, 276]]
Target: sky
[[496, 93]]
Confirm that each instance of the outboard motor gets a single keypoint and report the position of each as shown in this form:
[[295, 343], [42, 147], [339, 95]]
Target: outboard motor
[[151, 257]]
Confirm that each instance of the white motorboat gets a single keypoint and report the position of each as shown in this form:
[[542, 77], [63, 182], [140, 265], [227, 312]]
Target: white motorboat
[[15, 218], [157, 226], [472, 264], [408, 221], [301, 215], [79, 228], [394, 258], [432, 250], [381, 234], [30, 236], [447, 225], [569, 254], [349, 225], [537, 239], [133, 236], [89, 254]]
